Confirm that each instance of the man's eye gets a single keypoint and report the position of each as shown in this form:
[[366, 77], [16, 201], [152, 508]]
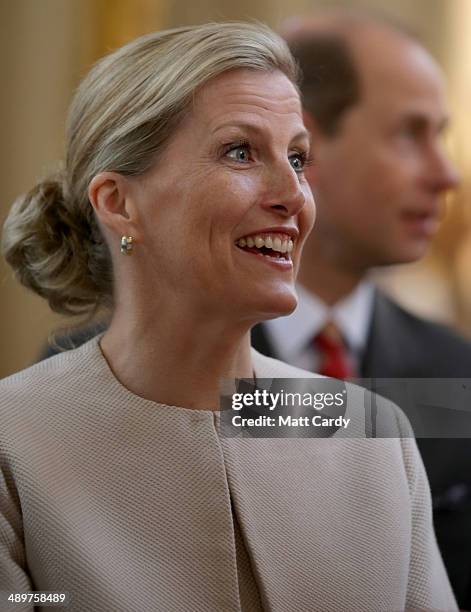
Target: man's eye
[[413, 131], [409, 133], [240, 153]]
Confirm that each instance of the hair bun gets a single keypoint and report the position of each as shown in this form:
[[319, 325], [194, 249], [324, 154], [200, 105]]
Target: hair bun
[[47, 246]]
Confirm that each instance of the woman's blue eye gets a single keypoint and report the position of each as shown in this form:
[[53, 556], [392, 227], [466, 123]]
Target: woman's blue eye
[[297, 161], [240, 153]]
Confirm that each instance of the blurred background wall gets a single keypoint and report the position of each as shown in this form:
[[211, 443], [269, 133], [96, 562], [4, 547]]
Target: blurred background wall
[[47, 45]]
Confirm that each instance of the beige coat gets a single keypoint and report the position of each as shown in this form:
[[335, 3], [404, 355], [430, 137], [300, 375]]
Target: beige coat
[[133, 506]]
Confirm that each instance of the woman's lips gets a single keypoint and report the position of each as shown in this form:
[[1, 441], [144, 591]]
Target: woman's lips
[[274, 248]]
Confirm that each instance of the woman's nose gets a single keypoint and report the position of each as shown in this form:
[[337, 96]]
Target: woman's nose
[[285, 194]]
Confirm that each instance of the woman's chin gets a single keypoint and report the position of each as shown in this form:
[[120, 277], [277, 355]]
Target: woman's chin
[[279, 304]]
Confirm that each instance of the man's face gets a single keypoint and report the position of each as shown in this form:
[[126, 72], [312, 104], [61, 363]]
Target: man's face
[[378, 181]]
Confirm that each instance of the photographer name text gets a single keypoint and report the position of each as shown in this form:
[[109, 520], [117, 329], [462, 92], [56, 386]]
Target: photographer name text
[[289, 421]]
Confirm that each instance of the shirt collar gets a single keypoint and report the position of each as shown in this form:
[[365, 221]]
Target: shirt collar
[[352, 315], [290, 335]]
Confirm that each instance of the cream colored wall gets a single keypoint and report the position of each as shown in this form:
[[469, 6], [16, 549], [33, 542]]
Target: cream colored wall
[[45, 45], [42, 54]]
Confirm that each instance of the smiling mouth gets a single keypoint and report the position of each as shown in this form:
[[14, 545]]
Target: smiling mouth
[[272, 246], [424, 223]]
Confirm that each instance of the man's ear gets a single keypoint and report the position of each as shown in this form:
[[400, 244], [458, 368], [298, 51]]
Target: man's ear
[[108, 193], [315, 137], [311, 125], [308, 119]]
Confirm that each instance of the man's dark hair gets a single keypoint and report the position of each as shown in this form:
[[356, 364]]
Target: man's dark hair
[[329, 80]]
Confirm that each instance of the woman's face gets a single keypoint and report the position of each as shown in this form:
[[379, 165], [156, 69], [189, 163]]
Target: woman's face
[[229, 181]]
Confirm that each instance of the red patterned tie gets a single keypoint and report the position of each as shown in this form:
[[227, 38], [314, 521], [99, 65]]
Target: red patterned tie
[[334, 358]]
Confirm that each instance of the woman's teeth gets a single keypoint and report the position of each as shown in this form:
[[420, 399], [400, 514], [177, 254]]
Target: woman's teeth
[[276, 243]]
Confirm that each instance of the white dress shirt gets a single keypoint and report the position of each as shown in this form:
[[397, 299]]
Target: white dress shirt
[[292, 336]]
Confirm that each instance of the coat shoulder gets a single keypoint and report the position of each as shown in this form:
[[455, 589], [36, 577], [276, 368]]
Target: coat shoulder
[[428, 331], [404, 345], [268, 367]]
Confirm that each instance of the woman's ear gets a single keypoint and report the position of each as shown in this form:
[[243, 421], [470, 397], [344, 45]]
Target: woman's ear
[[109, 195]]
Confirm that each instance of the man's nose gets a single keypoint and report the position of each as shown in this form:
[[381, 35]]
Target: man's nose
[[443, 173]]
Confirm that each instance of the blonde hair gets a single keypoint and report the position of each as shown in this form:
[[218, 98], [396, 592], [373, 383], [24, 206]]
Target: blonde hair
[[124, 112]]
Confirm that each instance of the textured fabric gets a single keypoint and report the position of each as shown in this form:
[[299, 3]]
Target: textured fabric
[[130, 505]]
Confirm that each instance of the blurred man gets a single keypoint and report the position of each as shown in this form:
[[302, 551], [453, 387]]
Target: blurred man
[[375, 105]]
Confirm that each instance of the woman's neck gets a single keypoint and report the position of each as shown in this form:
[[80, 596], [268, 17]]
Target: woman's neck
[[176, 358]]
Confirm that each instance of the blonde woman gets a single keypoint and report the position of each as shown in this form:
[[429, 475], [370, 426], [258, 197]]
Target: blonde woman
[[182, 209]]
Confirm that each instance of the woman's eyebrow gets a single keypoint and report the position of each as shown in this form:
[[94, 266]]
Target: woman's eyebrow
[[254, 127]]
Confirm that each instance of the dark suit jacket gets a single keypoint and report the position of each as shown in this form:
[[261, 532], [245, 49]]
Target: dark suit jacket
[[401, 345]]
